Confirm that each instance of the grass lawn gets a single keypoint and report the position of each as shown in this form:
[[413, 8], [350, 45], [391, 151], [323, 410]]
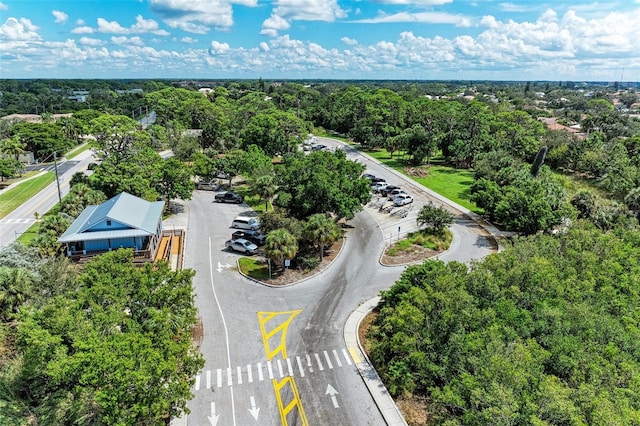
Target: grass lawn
[[449, 182], [14, 197], [77, 151], [574, 184], [254, 268]]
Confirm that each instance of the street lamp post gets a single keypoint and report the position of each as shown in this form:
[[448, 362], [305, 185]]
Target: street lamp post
[[55, 167]]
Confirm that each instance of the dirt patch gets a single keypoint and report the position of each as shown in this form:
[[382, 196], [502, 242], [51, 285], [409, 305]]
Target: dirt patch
[[419, 172]]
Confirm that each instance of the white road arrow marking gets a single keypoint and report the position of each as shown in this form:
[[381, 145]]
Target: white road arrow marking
[[221, 266], [254, 410], [332, 392], [213, 418]]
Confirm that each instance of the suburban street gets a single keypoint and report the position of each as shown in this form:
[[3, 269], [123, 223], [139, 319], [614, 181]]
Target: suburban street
[[19, 220], [277, 355]]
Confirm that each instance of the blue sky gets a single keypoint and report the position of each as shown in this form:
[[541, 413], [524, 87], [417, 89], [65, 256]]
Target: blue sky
[[324, 39]]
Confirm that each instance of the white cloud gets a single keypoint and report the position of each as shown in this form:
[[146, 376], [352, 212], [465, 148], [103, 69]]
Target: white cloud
[[80, 22], [142, 26], [88, 41], [147, 26], [83, 30], [218, 48], [300, 10], [198, 16], [418, 17], [60, 17], [349, 41], [3, 6], [18, 29], [129, 41], [273, 24], [111, 27], [188, 40], [417, 2]]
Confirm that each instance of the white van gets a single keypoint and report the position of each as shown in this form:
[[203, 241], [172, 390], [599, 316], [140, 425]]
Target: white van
[[242, 222]]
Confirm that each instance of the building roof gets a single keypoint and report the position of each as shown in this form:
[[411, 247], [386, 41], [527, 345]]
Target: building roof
[[139, 215]]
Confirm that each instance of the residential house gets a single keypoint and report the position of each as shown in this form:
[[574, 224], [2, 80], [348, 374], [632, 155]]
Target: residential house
[[124, 221]]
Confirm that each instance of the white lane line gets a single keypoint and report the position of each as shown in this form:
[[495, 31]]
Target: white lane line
[[219, 381], [309, 364], [226, 332], [270, 370], [249, 373], [208, 379], [280, 368], [197, 382], [289, 367], [300, 366], [326, 356], [239, 370], [346, 356], [260, 376], [229, 377], [335, 354], [320, 367]]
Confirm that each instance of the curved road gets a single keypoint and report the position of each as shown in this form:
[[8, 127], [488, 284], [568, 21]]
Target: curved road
[[276, 356]]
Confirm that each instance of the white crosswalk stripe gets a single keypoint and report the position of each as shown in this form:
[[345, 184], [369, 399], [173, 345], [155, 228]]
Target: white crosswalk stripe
[[16, 221], [279, 367]]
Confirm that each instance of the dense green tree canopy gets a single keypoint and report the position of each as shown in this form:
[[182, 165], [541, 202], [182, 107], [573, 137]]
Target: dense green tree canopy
[[545, 332], [114, 349], [323, 182]]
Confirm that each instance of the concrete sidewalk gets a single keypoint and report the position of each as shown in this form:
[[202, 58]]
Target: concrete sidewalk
[[378, 391]]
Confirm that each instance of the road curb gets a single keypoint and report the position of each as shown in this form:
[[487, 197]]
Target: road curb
[[369, 375]]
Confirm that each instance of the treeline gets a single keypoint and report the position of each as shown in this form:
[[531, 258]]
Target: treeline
[[545, 332]]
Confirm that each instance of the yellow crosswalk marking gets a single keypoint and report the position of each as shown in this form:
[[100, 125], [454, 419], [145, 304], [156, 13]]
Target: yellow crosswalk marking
[[354, 355]]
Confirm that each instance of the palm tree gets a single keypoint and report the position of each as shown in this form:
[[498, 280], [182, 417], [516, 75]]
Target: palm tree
[[280, 244], [12, 146], [265, 187], [321, 230]]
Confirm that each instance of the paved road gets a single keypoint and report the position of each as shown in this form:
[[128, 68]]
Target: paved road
[[277, 355], [18, 221]]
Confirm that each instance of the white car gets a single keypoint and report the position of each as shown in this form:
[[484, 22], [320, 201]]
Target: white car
[[393, 194], [241, 245], [378, 186], [403, 199]]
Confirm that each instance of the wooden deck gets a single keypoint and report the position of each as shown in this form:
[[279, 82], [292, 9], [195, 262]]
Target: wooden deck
[[171, 248]]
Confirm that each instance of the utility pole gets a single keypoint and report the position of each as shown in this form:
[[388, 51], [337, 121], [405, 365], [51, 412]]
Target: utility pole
[[55, 167]]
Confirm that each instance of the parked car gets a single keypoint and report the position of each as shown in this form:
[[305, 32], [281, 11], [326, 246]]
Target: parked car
[[249, 234], [229, 197], [242, 246], [385, 191], [394, 193], [318, 147], [242, 222], [368, 176], [377, 187], [403, 199], [377, 180], [207, 186]]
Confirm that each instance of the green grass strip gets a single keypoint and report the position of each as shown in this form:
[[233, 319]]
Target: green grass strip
[[18, 195], [77, 151], [255, 268]]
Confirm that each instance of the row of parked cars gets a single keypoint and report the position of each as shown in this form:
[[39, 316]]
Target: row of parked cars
[[392, 192], [248, 237]]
